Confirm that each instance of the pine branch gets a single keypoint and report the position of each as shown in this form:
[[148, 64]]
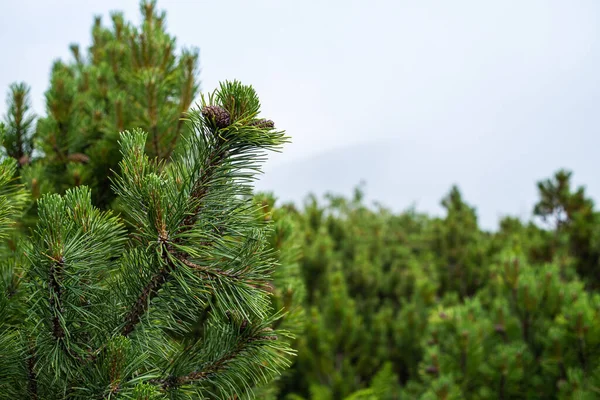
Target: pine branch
[[158, 280], [72, 252], [148, 293], [216, 157], [200, 189], [200, 249], [208, 271], [218, 365], [55, 281], [54, 278], [31, 375]]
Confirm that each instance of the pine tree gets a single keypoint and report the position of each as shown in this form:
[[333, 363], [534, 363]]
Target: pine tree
[[571, 216], [18, 124], [457, 240], [181, 309], [130, 77]]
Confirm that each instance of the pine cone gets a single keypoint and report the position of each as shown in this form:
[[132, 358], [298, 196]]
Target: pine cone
[[218, 115], [263, 123]]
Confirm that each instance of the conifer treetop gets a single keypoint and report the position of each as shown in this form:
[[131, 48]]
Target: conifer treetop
[[19, 124]]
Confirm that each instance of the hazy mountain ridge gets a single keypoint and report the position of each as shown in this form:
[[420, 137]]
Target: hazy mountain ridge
[[401, 174]]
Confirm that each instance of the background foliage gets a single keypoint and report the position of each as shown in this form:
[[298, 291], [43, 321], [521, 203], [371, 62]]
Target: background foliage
[[411, 306]]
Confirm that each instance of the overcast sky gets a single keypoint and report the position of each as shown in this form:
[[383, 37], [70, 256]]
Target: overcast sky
[[410, 96]]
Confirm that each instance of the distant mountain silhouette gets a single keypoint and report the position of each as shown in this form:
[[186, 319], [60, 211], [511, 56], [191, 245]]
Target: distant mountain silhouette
[[399, 175]]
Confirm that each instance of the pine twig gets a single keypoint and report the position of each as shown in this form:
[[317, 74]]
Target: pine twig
[[55, 300], [151, 289], [31, 375], [141, 305], [213, 368], [55, 276]]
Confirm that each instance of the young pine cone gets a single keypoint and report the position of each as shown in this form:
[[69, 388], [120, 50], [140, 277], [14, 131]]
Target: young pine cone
[[218, 115], [263, 123]]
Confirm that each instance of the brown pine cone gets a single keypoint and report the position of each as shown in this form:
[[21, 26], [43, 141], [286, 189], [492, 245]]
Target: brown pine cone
[[218, 115]]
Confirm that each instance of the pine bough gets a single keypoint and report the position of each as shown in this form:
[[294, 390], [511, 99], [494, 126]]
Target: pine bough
[[177, 305]]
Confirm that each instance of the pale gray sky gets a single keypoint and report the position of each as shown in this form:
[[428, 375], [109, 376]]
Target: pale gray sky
[[410, 96]]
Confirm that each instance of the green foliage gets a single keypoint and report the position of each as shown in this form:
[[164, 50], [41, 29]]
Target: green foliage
[[192, 286], [131, 77], [13, 200], [457, 242], [18, 127], [358, 282], [287, 288], [179, 308], [572, 216], [442, 309], [517, 339]]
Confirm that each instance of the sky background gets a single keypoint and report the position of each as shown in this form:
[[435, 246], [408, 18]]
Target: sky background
[[408, 96]]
